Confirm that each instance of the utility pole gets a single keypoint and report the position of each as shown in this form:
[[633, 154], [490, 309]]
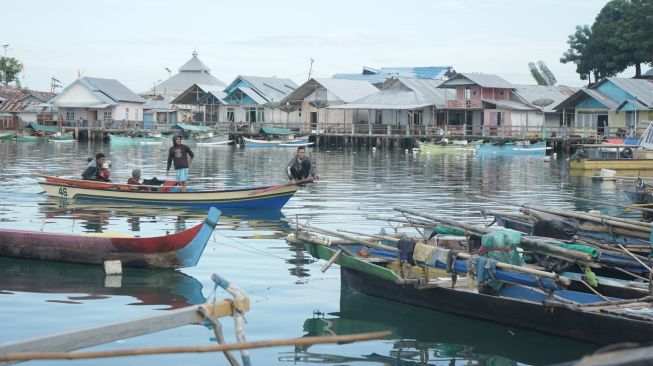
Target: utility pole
[[54, 84], [310, 69]]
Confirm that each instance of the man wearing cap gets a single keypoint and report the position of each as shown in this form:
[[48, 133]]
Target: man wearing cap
[[182, 157]]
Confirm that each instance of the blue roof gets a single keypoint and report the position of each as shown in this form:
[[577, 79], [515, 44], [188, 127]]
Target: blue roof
[[380, 75]]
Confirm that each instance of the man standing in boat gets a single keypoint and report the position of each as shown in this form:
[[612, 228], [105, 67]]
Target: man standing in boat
[[300, 167], [182, 157]]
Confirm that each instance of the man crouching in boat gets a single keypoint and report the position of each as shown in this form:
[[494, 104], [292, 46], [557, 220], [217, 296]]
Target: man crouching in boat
[[300, 167], [182, 156], [95, 169]]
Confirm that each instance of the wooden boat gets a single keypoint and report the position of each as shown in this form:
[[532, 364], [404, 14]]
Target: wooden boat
[[30, 138], [62, 138], [263, 197], [575, 315], [276, 143], [456, 146], [172, 289], [211, 142], [182, 249], [8, 136], [513, 149], [135, 140], [610, 156]]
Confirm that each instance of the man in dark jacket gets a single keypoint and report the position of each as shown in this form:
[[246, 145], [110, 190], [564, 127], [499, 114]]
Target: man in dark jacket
[[182, 156], [300, 167], [94, 169]]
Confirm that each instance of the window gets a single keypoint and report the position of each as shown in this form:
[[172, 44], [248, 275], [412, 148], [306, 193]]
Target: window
[[231, 114], [417, 117], [107, 115], [379, 117], [127, 113], [260, 114], [299, 114], [70, 114]]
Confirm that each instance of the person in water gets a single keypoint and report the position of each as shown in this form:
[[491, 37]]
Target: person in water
[[182, 157], [94, 169], [300, 167]]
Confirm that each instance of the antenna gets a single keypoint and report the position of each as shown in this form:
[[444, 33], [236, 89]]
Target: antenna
[[54, 84], [310, 69]]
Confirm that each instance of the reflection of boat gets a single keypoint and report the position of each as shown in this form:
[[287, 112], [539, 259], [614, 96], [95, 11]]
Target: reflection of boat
[[136, 140], [442, 334], [590, 319], [266, 197], [512, 149], [83, 283], [62, 138], [182, 249]]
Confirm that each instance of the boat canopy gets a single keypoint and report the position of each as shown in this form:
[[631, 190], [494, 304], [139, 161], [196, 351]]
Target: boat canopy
[[183, 126], [275, 131], [37, 127]]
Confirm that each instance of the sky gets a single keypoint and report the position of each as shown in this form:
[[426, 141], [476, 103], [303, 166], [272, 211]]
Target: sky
[[135, 41]]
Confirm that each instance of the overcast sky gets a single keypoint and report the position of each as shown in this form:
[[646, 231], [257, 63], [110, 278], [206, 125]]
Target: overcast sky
[[134, 41]]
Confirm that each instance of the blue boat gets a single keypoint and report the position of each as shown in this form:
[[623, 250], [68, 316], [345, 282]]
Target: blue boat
[[513, 149]]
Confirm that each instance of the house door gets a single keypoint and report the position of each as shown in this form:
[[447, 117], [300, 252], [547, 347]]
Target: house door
[[92, 117], [602, 125], [313, 120]]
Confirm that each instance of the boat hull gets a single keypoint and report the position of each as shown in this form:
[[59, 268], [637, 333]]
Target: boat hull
[[614, 164], [265, 198], [448, 148], [528, 313], [276, 143], [134, 140], [182, 249], [538, 149]]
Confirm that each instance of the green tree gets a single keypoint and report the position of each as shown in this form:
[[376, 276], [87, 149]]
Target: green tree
[[541, 73], [578, 52], [634, 33], [9, 69]]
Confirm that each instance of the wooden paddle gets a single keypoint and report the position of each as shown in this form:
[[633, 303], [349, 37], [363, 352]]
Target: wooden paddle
[[263, 190]]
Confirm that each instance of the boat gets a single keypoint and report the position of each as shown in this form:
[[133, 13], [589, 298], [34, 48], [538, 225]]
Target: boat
[[62, 138], [170, 289], [575, 315], [455, 146], [623, 158], [135, 140], [8, 136], [30, 138], [249, 197], [276, 137], [210, 142], [182, 249], [520, 148], [276, 143]]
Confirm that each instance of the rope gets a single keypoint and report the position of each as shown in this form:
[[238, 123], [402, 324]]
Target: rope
[[253, 250]]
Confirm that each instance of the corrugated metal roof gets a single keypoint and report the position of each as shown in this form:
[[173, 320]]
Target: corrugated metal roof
[[510, 104], [556, 93], [113, 88], [345, 90], [194, 64], [638, 88], [483, 80], [180, 82], [269, 89], [252, 94], [601, 98], [402, 93], [649, 72]]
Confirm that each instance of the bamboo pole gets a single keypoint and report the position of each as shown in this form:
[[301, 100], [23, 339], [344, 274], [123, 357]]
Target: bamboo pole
[[305, 341], [331, 260], [342, 236], [601, 219], [629, 207], [529, 242]]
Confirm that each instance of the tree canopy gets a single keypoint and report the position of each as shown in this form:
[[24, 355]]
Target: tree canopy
[[541, 73], [9, 69], [621, 36]]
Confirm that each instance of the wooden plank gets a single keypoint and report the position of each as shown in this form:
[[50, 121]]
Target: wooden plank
[[78, 339]]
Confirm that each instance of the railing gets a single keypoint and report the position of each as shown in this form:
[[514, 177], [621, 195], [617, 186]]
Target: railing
[[463, 104]]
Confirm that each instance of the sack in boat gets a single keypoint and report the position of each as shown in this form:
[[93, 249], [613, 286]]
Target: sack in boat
[[152, 182]]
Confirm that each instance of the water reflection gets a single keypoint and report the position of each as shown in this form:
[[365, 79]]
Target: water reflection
[[420, 336], [81, 283]]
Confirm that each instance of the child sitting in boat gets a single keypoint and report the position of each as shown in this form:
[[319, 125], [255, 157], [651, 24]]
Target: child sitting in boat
[[135, 178]]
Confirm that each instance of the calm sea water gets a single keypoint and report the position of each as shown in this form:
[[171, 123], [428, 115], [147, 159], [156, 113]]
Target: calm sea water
[[289, 295]]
